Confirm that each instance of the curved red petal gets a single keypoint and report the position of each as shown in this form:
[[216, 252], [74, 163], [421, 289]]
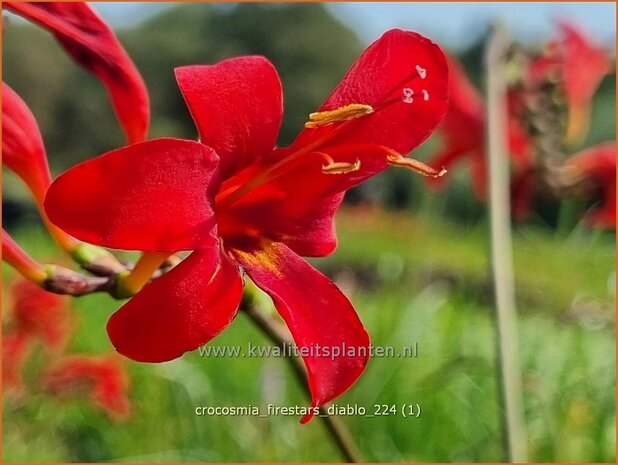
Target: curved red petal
[[463, 127], [182, 310], [22, 146], [321, 319], [584, 64], [152, 196], [92, 44], [404, 77], [237, 106]]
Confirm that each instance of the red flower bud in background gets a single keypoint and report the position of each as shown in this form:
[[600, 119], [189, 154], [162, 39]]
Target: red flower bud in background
[[272, 205], [596, 166], [104, 378], [92, 44], [23, 153]]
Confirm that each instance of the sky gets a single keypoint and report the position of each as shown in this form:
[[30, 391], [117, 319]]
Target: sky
[[455, 24]]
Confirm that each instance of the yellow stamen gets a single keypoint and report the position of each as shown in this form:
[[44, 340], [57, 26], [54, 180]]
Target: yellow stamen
[[414, 165], [348, 112], [341, 167]]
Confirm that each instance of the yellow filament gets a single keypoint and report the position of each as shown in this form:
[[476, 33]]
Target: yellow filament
[[345, 113], [414, 165]]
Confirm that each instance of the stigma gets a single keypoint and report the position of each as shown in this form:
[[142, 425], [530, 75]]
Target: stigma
[[345, 113]]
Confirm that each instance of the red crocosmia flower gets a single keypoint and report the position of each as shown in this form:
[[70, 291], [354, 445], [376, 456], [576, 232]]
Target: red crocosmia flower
[[597, 165], [16, 348], [239, 202], [40, 315], [92, 44], [463, 131], [104, 376], [581, 66]]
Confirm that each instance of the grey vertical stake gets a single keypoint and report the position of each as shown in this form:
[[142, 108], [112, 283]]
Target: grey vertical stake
[[501, 248]]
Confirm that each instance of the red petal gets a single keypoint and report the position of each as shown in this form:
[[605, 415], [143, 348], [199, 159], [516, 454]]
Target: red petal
[[463, 127], [151, 196], [317, 314], [22, 146], [237, 107], [91, 42], [180, 311], [584, 65], [396, 61]]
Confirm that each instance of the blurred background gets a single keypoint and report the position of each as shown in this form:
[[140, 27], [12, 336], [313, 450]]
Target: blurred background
[[414, 261]]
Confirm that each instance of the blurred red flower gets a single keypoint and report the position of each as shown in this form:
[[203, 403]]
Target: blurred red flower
[[40, 315], [597, 167], [272, 205], [16, 348], [36, 317], [463, 131], [580, 66], [93, 44], [104, 377]]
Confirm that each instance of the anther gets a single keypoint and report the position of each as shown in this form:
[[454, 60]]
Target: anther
[[407, 95], [414, 165], [345, 113], [340, 167], [422, 72]]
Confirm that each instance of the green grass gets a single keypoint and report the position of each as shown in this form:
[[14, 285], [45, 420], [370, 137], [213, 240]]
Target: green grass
[[412, 280]]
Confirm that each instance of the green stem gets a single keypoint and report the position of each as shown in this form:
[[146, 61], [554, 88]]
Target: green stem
[[501, 250]]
